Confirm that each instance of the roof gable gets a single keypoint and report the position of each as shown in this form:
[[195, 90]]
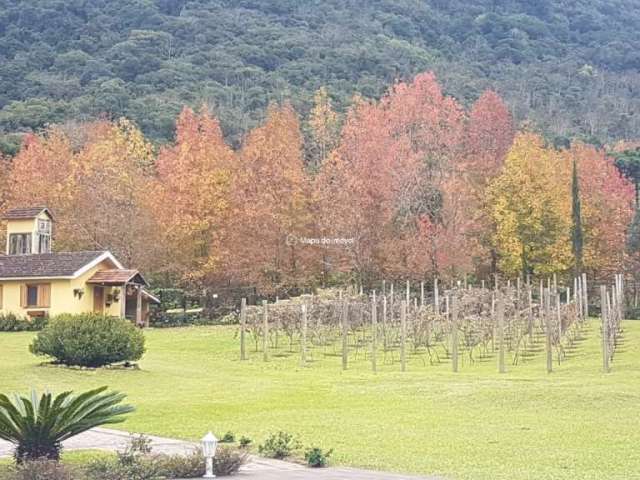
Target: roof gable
[[117, 277], [52, 265], [26, 213]]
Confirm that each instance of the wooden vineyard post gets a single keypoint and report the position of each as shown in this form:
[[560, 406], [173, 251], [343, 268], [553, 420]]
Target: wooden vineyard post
[[384, 323], [403, 336], [277, 328], [605, 330], [547, 317], [585, 296], [408, 294], [530, 311], [454, 333], [558, 315], [580, 299], [303, 349], [345, 334], [436, 297], [243, 326], [374, 333], [620, 296], [422, 294], [541, 307], [265, 331], [447, 311], [500, 318]]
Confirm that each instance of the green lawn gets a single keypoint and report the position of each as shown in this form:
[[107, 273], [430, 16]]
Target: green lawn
[[576, 423]]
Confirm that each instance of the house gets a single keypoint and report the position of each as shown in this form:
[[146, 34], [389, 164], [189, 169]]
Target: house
[[37, 282]]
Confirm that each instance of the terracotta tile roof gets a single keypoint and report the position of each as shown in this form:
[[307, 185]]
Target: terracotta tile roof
[[25, 213], [116, 277], [61, 264]]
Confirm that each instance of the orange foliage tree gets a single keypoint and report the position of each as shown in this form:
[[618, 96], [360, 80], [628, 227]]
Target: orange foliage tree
[[271, 213], [191, 197], [95, 188], [488, 137], [607, 208]]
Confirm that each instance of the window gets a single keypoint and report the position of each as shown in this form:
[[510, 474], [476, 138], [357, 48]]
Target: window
[[32, 295], [44, 243], [44, 236], [35, 295], [44, 226], [19, 243]]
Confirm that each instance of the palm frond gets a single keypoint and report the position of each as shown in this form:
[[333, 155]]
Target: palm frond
[[39, 423]]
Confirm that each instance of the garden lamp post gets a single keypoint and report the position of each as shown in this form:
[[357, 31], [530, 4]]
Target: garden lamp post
[[209, 445]]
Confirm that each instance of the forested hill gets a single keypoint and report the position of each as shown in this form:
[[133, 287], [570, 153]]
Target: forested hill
[[568, 67]]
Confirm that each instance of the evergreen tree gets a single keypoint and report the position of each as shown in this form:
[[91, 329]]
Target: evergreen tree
[[633, 240], [576, 220]]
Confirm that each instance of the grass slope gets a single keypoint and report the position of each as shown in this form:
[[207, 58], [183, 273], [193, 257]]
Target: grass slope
[[574, 424]]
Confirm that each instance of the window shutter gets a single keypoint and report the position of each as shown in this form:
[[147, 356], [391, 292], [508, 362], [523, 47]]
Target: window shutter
[[0, 297], [44, 295], [23, 296]]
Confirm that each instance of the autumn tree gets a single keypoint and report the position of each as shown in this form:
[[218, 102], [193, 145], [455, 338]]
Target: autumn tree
[[95, 188], [324, 127], [391, 185], [488, 137], [112, 180], [606, 199], [272, 210], [431, 125], [531, 209], [43, 173], [191, 197]]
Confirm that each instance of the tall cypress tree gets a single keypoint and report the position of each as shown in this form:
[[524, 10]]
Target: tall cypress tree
[[576, 224]]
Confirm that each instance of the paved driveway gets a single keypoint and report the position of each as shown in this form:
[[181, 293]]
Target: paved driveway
[[257, 468]]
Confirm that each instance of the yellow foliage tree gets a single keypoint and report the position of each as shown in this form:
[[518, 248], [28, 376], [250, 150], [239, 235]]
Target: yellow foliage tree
[[325, 127], [531, 208]]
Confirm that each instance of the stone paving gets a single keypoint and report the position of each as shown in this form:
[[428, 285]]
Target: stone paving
[[257, 468]]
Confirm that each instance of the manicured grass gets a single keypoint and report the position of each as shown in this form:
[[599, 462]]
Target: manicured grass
[[576, 423]]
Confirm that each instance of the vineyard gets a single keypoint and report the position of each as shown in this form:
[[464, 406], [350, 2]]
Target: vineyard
[[460, 326]]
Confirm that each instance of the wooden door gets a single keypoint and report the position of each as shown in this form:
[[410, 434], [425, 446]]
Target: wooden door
[[98, 299]]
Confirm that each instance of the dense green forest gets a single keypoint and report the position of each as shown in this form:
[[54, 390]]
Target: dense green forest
[[568, 68]]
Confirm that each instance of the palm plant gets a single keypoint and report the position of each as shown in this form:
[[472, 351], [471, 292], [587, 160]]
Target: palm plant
[[38, 425]]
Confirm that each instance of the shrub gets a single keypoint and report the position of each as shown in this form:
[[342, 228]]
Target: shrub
[[228, 437], [138, 462], [316, 457], [135, 463], [41, 469], [13, 323], [245, 442], [279, 445], [182, 466], [38, 425], [228, 461], [89, 340]]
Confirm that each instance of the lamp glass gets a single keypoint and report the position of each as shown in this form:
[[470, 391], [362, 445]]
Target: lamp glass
[[209, 444]]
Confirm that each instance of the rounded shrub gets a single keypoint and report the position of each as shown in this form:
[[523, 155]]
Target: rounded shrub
[[89, 340]]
